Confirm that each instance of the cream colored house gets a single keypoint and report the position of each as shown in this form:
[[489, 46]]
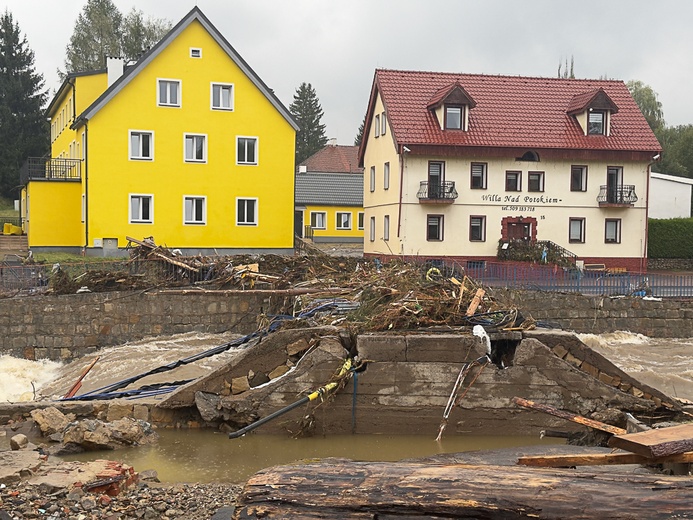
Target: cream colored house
[[456, 166]]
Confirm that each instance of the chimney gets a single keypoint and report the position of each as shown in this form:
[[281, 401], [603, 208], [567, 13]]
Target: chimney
[[332, 142], [115, 67], [302, 168]]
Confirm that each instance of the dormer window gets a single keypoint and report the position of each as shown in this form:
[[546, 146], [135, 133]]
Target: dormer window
[[595, 122], [593, 110], [451, 106], [453, 117]]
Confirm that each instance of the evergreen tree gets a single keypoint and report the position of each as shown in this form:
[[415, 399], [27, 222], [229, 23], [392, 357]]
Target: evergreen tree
[[23, 128], [308, 113], [101, 30], [359, 133], [567, 73]]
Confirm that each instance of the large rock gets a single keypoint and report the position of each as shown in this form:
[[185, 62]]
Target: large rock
[[51, 420], [92, 434]]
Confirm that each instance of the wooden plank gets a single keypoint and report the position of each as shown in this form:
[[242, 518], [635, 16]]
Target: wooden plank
[[569, 416], [656, 442], [600, 459], [339, 489]]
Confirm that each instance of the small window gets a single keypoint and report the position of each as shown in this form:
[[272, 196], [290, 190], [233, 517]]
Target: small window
[[194, 211], [222, 96], [141, 209], [343, 220], [513, 181], [318, 220], [246, 212], [383, 124], [612, 231], [576, 231], [360, 220], [453, 117], [535, 181], [479, 176], [386, 176], [168, 93], [195, 52], [386, 227], [477, 229], [434, 227], [195, 148], [376, 125], [141, 145], [595, 122], [372, 234], [372, 178], [247, 150], [578, 178]]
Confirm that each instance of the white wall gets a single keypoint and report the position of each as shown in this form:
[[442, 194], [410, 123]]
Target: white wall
[[670, 196]]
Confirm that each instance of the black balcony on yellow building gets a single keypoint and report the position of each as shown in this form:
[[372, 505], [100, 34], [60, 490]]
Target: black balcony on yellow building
[[50, 169]]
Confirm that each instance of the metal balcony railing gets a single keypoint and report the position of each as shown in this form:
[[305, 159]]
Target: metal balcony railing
[[46, 168], [437, 192], [619, 195]]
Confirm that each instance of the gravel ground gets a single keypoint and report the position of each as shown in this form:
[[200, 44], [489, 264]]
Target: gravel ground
[[145, 501]]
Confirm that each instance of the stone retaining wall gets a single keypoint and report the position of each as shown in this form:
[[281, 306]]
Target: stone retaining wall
[[70, 326], [599, 314]]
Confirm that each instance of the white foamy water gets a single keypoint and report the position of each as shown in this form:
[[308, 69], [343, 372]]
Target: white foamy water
[[662, 363], [20, 378]]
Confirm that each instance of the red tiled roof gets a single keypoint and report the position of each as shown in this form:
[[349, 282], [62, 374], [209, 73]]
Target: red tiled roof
[[444, 92], [581, 102], [511, 111], [334, 159]]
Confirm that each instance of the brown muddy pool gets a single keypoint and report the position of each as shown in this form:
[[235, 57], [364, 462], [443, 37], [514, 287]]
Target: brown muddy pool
[[205, 456]]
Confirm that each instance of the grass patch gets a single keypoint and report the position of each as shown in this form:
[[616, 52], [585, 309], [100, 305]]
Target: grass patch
[[67, 258]]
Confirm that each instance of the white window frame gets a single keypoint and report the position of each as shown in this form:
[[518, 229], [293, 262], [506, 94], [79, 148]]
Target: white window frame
[[166, 102], [386, 227], [255, 218], [221, 86], [139, 219], [195, 52], [386, 176], [481, 221], [541, 175], [572, 239], [459, 111], [193, 199], [372, 234], [583, 177], [440, 227], [599, 126], [360, 220], [185, 147], [247, 138], [339, 217], [383, 123], [617, 222], [376, 125], [372, 179], [317, 214], [138, 156]]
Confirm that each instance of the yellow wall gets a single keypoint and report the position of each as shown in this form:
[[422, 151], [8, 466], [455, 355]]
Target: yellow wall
[[113, 176], [54, 214], [331, 227], [109, 176]]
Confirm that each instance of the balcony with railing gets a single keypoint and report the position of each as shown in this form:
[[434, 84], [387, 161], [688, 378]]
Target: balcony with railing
[[437, 193], [617, 196], [47, 169]]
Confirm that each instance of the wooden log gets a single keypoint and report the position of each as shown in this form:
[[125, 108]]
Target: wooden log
[[339, 489], [600, 459], [656, 443], [569, 416]]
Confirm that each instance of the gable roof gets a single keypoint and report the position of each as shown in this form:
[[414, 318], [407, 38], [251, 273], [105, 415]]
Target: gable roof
[[329, 189], [194, 15], [334, 159], [510, 112], [591, 99], [454, 93]]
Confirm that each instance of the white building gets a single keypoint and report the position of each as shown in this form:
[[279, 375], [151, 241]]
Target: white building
[[670, 196]]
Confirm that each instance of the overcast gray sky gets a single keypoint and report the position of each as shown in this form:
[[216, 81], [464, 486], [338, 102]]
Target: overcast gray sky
[[336, 45]]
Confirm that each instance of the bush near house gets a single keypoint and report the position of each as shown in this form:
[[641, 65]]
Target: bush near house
[[670, 238]]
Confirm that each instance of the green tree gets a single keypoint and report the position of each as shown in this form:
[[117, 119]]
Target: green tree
[[308, 113], [23, 127], [677, 154], [140, 34], [101, 30], [359, 133], [649, 104]]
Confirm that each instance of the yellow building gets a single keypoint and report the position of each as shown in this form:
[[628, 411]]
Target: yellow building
[[187, 146], [329, 196], [464, 166]]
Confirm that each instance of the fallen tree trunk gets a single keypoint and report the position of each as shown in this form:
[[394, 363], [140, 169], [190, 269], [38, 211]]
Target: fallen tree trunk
[[337, 488]]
